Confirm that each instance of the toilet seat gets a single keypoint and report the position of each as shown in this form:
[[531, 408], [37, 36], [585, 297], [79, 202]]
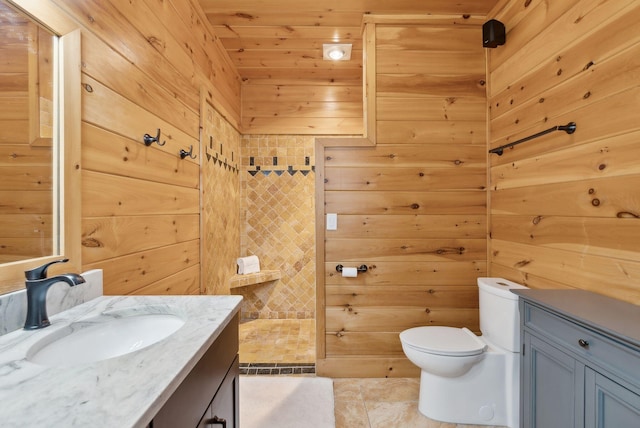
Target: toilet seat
[[449, 341]]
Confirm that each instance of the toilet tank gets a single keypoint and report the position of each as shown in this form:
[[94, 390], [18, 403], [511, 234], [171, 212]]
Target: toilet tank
[[499, 315]]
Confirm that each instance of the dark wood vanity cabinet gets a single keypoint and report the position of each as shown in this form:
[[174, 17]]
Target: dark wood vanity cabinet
[[208, 397], [580, 361], [223, 410]]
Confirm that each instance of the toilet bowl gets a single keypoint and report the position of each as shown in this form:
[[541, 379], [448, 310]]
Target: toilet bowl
[[466, 378], [445, 351]]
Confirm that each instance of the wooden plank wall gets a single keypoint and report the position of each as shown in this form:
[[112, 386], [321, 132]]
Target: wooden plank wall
[[25, 169], [413, 207], [287, 87], [305, 107], [144, 64], [565, 209]]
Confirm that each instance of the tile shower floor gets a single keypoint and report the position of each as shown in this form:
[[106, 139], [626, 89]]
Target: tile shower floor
[[273, 346]]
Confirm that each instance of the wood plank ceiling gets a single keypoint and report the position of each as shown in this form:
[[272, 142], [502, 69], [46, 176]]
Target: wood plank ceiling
[[277, 44], [282, 39]]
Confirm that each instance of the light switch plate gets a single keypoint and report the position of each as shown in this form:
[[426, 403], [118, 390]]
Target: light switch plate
[[332, 221]]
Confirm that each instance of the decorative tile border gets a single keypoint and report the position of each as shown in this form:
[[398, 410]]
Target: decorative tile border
[[274, 163], [279, 172], [215, 156], [277, 368]]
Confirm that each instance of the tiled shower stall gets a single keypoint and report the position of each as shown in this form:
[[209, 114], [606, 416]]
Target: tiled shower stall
[[277, 185]]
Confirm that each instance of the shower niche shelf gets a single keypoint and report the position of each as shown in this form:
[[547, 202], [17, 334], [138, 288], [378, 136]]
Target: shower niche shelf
[[254, 278]]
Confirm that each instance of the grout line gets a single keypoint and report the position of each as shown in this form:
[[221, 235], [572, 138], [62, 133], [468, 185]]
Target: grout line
[[364, 404]]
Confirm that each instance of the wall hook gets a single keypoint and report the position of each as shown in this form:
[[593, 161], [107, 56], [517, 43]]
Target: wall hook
[[149, 139], [184, 153]]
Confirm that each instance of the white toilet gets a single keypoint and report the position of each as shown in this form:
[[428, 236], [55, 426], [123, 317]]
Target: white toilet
[[471, 379]]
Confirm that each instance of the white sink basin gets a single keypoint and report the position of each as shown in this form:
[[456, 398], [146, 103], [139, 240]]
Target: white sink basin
[[103, 337]]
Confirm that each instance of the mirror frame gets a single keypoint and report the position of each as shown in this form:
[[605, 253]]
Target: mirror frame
[[68, 154]]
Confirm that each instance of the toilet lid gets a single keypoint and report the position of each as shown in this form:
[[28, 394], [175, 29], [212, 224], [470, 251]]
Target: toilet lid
[[451, 341]]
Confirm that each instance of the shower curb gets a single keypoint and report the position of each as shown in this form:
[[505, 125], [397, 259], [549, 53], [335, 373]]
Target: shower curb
[[277, 368]]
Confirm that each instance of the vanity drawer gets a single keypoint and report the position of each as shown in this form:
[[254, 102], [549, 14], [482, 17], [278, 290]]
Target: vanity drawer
[[614, 356]]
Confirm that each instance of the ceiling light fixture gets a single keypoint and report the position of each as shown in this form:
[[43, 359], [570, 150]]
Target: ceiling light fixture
[[336, 51]]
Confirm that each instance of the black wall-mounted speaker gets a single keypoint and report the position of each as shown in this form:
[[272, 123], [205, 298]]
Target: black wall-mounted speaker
[[493, 34]]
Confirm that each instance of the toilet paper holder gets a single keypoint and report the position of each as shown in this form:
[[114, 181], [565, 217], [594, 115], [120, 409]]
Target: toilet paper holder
[[362, 268]]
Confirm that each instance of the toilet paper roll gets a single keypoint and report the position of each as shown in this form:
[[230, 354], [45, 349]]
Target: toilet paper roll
[[250, 264], [349, 272]]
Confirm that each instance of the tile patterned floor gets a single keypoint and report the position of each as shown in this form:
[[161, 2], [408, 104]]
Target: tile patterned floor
[[278, 344], [378, 403]]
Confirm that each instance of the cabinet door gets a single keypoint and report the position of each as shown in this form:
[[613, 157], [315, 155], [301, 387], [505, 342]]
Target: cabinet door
[[550, 379], [224, 409], [190, 401], [609, 404]]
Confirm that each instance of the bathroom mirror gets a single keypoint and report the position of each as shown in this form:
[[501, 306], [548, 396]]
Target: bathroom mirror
[[26, 138], [39, 139]]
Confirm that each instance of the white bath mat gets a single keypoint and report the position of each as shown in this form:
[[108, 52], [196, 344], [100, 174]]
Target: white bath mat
[[286, 402]]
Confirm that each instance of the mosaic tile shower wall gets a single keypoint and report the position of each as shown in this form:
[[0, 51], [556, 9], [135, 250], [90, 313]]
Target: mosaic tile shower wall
[[277, 224], [220, 201]]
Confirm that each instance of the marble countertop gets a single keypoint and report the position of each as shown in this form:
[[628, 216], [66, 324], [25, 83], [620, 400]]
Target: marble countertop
[[125, 391]]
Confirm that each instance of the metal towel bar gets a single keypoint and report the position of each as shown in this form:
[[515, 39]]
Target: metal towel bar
[[569, 128]]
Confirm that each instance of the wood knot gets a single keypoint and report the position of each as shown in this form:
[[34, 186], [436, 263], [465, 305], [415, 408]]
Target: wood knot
[[415, 206], [91, 243], [627, 214], [595, 202], [537, 219]]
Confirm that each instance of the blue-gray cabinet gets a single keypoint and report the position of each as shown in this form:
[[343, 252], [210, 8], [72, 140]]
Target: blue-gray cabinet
[[580, 360]]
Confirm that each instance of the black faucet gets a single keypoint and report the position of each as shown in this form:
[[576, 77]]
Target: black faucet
[[37, 286]]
